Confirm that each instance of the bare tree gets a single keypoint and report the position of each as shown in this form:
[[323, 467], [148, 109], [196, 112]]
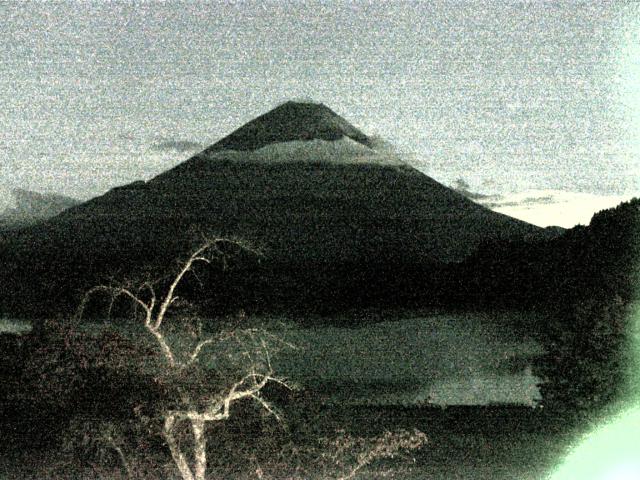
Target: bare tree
[[245, 355]]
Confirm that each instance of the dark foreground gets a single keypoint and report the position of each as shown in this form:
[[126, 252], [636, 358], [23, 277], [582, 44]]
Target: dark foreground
[[490, 443]]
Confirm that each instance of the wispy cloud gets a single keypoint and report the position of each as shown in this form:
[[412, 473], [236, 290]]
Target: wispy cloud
[[552, 207], [544, 208], [177, 145], [461, 186]]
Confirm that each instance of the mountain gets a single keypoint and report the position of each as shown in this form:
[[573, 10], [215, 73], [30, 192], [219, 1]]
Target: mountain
[[31, 207], [340, 221]]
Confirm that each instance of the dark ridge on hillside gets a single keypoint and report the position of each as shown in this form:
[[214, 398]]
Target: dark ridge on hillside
[[599, 259], [289, 122]]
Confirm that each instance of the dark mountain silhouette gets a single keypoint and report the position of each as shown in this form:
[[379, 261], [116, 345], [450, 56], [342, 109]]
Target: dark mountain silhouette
[[339, 222], [31, 207]]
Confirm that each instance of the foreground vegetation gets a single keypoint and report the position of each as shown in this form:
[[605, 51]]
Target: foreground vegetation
[[83, 402], [111, 397], [92, 403], [169, 395]]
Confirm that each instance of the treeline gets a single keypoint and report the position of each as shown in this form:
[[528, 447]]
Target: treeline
[[599, 263], [584, 284], [599, 260]]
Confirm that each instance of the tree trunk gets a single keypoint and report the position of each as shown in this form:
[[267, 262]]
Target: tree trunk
[[200, 448], [178, 457], [164, 347]]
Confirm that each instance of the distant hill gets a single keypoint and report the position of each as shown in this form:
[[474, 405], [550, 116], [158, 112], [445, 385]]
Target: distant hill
[[340, 222], [31, 207]]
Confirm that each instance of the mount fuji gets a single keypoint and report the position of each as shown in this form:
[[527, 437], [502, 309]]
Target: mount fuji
[[335, 213]]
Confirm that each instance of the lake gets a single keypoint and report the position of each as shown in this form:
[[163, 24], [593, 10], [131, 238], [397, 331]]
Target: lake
[[440, 359]]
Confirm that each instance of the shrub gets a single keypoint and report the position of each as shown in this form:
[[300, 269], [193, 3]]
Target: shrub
[[585, 368]]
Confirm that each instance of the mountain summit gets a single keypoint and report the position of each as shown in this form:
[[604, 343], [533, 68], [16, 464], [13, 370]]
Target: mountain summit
[[288, 122]]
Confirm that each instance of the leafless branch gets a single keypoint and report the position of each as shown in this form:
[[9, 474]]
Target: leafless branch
[[168, 299], [266, 406], [194, 355]]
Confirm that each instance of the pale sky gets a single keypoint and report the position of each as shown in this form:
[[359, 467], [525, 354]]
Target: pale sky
[[510, 96]]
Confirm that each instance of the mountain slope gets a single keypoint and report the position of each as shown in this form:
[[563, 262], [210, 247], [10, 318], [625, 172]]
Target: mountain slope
[[333, 216]]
